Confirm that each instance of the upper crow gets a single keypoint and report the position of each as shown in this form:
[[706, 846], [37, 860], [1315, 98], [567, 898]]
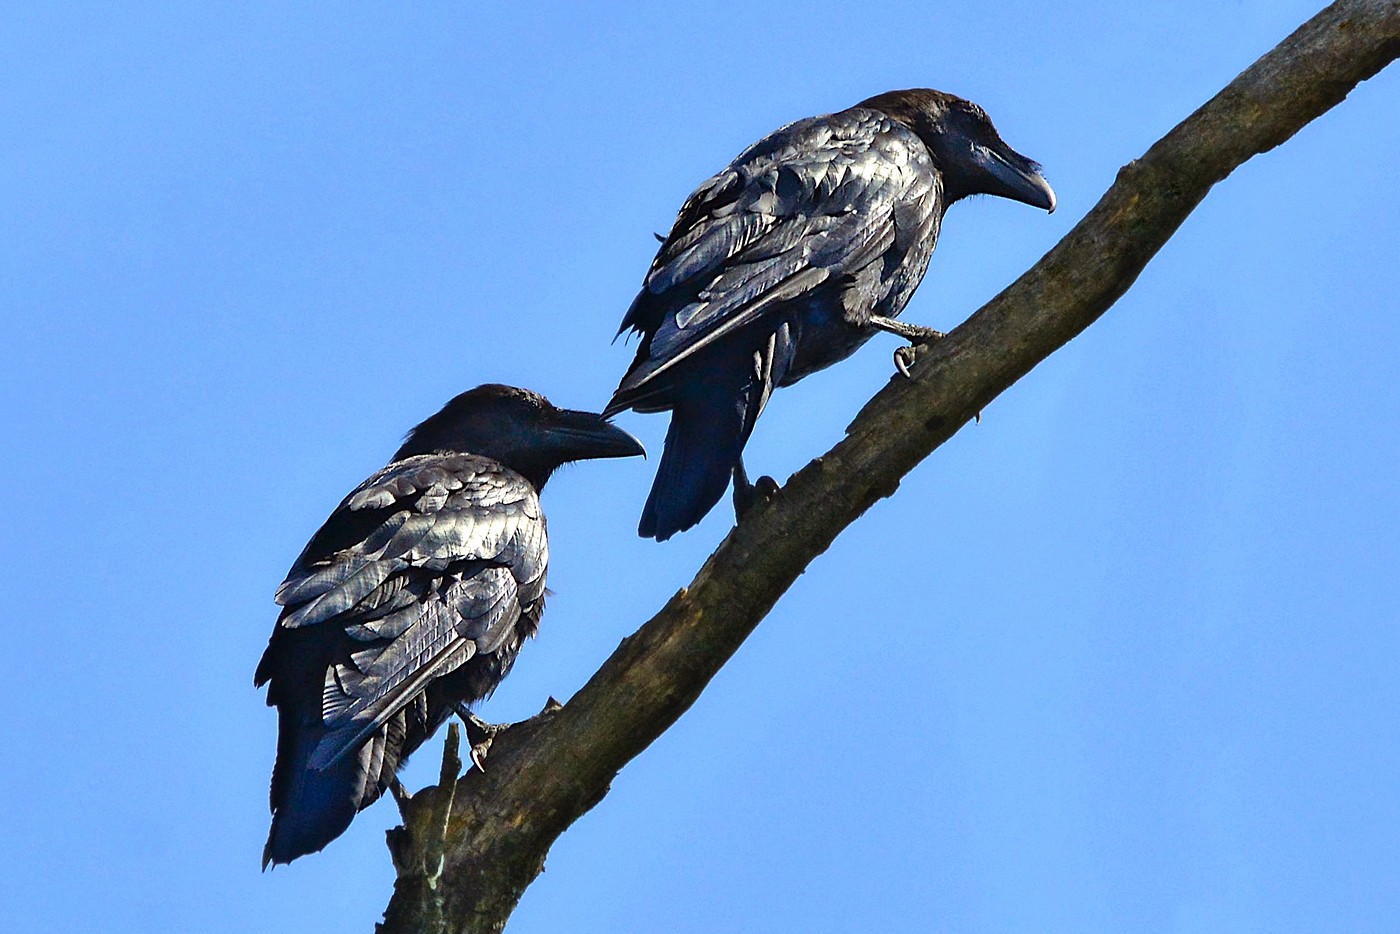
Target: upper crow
[[796, 254], [411, 600]]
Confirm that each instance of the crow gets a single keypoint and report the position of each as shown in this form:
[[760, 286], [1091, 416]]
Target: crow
[[412, 601], [809, 242]]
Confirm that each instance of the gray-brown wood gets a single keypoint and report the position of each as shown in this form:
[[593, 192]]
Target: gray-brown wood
[[542, 774]]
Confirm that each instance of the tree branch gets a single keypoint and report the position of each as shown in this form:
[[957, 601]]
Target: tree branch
[[545, 772]]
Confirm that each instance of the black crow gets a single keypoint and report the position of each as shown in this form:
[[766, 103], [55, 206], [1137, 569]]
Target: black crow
[[812, 240], [412, 602]]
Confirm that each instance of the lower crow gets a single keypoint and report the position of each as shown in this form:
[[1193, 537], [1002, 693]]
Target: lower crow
[[412, 601]]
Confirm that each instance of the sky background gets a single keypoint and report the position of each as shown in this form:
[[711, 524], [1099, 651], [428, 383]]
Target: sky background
[[1121, 657]]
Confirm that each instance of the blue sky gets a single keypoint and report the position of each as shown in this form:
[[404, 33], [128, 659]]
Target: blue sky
[[1121, 657]]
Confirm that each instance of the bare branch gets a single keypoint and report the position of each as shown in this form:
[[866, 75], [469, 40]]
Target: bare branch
[[544, 773]]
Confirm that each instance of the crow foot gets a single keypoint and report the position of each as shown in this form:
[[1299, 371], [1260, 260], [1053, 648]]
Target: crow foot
[[479, 735], [906, 357], [918, 336], [749, 495]]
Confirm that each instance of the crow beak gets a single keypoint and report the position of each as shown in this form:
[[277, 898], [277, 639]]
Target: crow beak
[[584, 435], [1014, 176]]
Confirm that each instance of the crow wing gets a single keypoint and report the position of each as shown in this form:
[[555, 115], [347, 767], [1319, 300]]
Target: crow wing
[[426, 564], [831, 199]]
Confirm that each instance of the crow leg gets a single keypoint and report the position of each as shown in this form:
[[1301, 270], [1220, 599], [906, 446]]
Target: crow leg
[[748, 495], [479, 735], [914, 333], [401, 796], [917, 336]]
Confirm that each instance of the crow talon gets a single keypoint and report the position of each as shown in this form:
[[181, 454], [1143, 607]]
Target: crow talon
[[904, 358], [479, 735], [749, 495]]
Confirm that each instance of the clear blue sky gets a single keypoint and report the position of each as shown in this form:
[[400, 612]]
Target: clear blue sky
[[1123, 657]]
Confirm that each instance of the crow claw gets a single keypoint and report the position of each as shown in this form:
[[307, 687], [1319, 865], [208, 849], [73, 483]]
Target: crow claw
[[479, 735], [904, 356], [750, 495]]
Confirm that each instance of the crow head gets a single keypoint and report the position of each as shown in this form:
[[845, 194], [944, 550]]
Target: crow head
[[520, 429], [966, 147]]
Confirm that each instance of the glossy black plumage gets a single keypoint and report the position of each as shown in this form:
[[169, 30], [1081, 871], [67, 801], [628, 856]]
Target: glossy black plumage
[[787, 261], [413, 597]]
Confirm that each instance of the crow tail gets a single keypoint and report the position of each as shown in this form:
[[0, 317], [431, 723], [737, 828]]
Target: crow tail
[[311, 806]]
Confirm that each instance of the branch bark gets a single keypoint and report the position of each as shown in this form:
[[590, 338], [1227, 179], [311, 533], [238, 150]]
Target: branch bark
[[547, 771]]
